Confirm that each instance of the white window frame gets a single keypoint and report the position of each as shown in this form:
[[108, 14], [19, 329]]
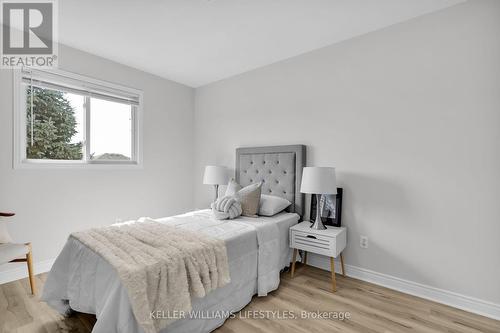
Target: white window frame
[[19, 128]]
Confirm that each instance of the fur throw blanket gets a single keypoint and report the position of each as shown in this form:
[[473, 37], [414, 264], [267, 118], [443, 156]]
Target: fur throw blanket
[[160, 266], [227, 207]]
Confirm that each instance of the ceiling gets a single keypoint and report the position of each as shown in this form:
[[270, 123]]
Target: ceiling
[[196, 42]]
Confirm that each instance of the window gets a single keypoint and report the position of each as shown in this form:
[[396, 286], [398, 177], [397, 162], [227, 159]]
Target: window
[[64, 119]]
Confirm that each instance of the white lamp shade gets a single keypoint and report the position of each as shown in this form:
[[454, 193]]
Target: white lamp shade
[[318, 180], [215, 175]]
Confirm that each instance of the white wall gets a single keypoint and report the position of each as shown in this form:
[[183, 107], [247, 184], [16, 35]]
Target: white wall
[[50, 204], [410, 116]]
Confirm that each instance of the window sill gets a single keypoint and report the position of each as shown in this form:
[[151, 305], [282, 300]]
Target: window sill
[[96, 165]]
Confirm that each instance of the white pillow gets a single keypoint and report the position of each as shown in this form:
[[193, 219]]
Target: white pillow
[[233, 187], [271, 205]]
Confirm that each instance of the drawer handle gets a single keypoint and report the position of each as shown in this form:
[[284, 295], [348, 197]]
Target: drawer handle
[[311, 236]]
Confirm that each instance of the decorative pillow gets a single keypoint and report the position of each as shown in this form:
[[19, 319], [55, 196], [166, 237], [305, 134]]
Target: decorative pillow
[[227, 207], [249, 197], [271, 205], [232, 187]]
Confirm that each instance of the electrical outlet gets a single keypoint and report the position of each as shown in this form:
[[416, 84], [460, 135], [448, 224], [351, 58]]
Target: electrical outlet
[[363, 242]]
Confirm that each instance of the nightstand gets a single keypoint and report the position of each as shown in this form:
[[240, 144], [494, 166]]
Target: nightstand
[[330, 242]]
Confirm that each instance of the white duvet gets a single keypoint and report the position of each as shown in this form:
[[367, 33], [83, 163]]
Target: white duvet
[[257, 250]]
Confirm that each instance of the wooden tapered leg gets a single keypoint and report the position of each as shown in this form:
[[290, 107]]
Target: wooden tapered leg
[[342, 264], [304, 260], [29, 261], [294, 257], [332, 267]]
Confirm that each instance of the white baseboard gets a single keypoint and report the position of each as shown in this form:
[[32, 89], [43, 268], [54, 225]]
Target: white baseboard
[[467, 303], [20, 270]]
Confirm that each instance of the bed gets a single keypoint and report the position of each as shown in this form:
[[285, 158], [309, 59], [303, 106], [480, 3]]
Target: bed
[[83, 281]]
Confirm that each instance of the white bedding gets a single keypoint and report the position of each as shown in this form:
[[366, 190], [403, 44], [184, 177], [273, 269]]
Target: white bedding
[[257, 250]]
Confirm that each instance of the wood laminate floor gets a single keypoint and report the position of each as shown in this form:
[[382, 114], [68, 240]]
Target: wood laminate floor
[[372, 309]]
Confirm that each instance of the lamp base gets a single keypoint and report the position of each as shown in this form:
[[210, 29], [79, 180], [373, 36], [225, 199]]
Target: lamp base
[[216, 192], [318, 224]]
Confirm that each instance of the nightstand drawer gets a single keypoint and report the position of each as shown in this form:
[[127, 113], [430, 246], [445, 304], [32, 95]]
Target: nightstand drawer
[[313, 243]]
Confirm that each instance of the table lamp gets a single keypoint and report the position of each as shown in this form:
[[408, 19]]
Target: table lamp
[[318, 180], [215, 175]]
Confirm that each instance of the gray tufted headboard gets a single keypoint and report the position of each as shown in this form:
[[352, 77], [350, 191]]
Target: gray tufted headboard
[[278, 167]]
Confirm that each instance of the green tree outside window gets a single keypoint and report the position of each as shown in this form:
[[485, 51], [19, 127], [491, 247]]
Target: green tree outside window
[[53, 127]]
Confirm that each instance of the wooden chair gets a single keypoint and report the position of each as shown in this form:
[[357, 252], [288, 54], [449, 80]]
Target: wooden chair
[[15, 252]]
